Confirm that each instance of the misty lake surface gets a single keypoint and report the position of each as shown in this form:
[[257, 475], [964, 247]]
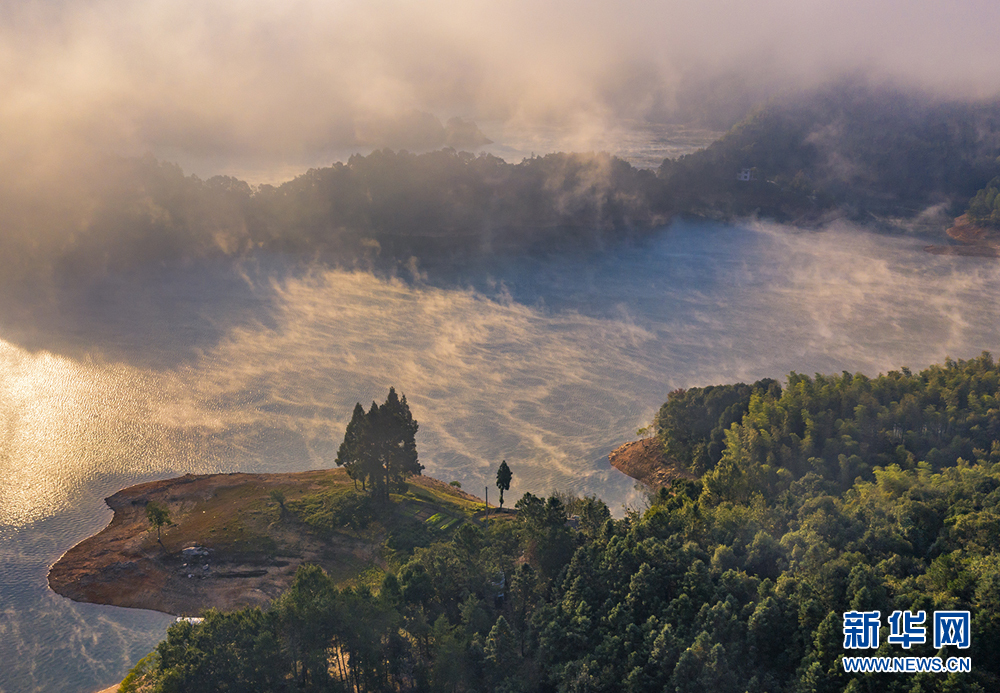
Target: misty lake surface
[[549, 363]]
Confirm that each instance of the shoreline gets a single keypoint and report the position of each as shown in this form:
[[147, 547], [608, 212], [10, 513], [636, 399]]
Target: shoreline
[[974, 241]]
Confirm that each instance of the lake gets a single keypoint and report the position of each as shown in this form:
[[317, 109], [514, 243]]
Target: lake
[[546, 362]]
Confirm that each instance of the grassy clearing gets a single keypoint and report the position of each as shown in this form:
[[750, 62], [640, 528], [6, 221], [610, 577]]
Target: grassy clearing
[[316, 516]]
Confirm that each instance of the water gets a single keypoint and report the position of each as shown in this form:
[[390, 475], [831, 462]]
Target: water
[[548, 363]]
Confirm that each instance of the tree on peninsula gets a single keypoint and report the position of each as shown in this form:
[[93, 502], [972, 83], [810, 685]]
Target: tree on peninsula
[[504, 476], [379, 447], [158, 516], [352, 452]]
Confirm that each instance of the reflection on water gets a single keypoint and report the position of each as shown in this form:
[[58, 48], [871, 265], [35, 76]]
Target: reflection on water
[[547, 363]]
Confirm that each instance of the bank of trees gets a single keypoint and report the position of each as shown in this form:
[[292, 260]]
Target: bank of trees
[[834, 493], [761, 438]]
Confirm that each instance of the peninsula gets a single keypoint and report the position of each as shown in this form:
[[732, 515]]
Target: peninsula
[[236, 540]]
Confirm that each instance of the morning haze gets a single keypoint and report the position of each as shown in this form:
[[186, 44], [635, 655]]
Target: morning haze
[[275, 82], [213, 244]]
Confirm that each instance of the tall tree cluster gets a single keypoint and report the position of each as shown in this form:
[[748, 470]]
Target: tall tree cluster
[[379, 448]]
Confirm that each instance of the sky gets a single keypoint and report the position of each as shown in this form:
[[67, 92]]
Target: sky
[[274, 81]]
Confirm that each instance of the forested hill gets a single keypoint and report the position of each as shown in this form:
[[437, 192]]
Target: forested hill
[[862, 150], [848, 150], [832, 494]]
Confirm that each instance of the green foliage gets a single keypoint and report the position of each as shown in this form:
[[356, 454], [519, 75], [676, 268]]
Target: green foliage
[[379, 447], [328, 512], [863, 150], [407, 536], [158, 516], [692, 423], [236, 651], [984, 208], [141, 675]]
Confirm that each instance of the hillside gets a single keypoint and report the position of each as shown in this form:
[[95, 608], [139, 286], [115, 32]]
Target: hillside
[[255, 543]]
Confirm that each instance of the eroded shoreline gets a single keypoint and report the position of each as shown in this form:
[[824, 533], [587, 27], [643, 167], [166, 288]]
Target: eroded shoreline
[[644, 461]]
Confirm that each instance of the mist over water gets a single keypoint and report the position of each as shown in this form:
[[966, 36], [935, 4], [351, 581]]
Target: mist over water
[[548, 363]]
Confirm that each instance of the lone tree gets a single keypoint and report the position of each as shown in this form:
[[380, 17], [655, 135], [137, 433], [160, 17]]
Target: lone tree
[[158, 516], [379, 447], [504, 476], [278, 497]]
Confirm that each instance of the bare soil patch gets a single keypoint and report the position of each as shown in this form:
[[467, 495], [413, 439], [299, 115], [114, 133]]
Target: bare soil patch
[[644, 460]]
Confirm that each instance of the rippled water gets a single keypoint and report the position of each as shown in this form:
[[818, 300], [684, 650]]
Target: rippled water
[[547, 363]]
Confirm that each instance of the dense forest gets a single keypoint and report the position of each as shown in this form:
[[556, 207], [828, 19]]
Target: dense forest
[[870, 154], [830, 494]]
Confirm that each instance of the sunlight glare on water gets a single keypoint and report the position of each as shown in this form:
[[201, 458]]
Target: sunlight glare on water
[[52, 409]]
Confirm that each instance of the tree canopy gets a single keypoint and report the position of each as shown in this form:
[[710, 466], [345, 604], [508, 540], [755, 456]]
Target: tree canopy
[[379, 447], [984, 208], [158, 516], [852, 147]]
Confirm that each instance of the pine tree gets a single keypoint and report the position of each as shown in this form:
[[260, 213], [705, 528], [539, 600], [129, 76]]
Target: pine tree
[[352, 452], [396, 436], [504, 477], [379, 447]]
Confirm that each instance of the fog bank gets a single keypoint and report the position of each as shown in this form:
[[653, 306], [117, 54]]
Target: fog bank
[[281, 82]]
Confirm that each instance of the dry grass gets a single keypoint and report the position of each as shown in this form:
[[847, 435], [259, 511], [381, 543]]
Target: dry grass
[[256, 545]]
